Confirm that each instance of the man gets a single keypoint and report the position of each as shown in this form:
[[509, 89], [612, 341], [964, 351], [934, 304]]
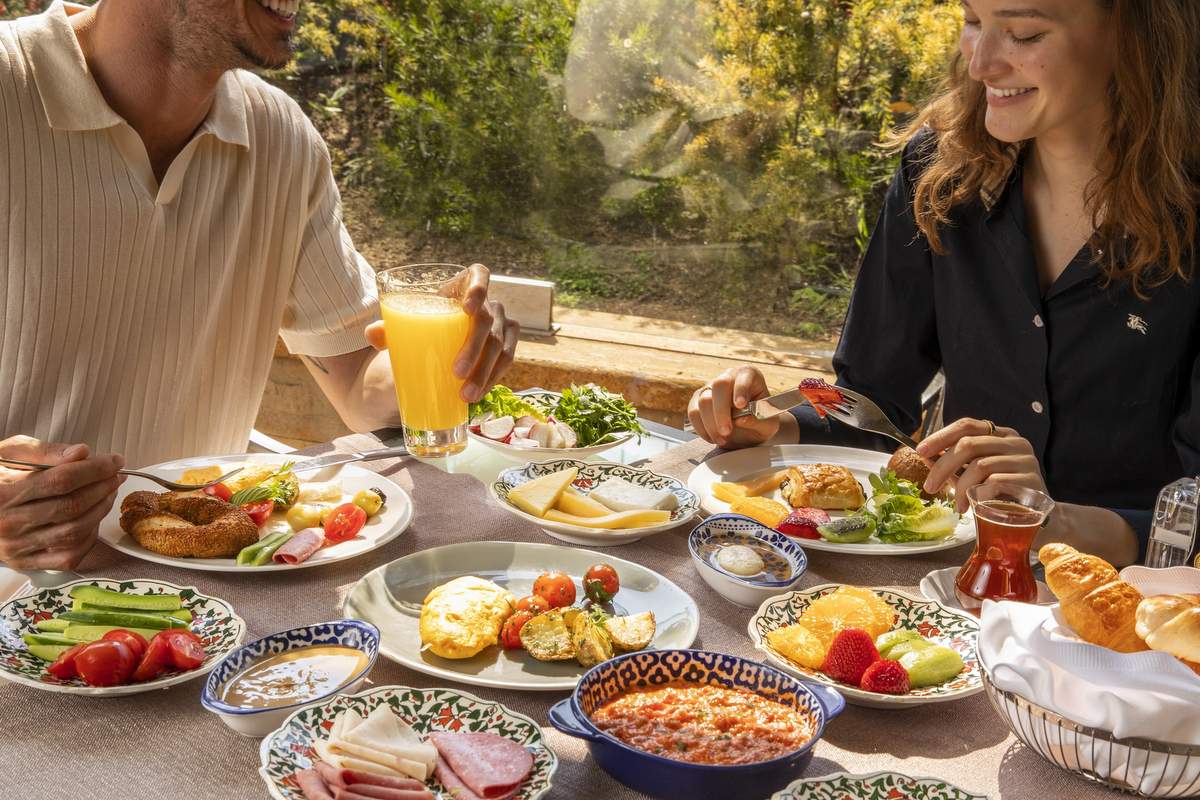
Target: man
[[164, 214]]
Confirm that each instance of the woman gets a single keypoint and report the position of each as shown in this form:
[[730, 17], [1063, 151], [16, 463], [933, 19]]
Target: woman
[[1038, 245]]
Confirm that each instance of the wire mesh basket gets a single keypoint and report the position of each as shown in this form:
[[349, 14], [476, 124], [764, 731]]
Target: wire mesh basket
[[1138, 766]]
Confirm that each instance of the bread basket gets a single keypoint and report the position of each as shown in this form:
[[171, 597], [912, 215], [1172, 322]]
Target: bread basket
[[1137, 766]]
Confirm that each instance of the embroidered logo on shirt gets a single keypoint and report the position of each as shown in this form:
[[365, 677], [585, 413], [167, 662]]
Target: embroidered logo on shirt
[[1136, 323]]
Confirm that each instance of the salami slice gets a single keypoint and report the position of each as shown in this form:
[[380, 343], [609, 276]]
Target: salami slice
[[491, 766], [300, 547], [311, 784]]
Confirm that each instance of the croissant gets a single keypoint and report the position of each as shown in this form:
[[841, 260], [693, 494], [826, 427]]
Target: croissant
[[1171, 623], [1100, 606]]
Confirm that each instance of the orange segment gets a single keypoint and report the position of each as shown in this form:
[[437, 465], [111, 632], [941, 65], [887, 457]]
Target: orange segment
[[728, 492], [797, 643], [848, 607], [767, 511], [765, 484]]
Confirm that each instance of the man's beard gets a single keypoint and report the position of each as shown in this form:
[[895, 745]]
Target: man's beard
[[256, 59]]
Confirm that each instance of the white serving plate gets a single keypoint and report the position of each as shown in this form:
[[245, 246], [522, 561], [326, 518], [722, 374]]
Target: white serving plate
[[390, 598], [380, 529], [590, 474], [939, 585], [538, 454], [740, 465]]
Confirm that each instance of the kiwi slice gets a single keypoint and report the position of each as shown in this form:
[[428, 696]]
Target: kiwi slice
[[847, 530]]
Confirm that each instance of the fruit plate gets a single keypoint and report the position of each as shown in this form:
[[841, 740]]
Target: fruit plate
[[941, 625], [742, 465], [392, 520], [390, 598], [543, 398], [590, 475], [875, 786], [289, 749], [213, 620]]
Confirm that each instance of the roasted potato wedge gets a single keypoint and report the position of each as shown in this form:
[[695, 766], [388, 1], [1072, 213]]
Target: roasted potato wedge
[[631, 633], [593, 644], [547, 637]]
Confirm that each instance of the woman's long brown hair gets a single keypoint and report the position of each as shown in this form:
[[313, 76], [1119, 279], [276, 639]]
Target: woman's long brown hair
[[1144, 198]]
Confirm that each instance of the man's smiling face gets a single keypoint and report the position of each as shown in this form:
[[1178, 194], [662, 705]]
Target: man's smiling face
[[236, 33]]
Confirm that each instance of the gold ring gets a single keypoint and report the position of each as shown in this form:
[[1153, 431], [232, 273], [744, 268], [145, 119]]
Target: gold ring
[[991, 427]]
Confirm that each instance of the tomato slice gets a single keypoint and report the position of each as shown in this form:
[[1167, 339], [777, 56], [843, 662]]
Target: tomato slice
[[219, 491], [105, 663], [186, 652], [63, 667], [344, 523], [260, 511], [134, 641], [156, 659]]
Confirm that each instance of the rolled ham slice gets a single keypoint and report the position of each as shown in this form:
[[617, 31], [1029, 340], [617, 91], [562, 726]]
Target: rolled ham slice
[[351, 777], [300, 547], [491, 766], [383, 793], [312, 785], [331, 775]]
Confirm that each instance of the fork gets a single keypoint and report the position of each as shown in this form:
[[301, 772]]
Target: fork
[[860, 411], [166, 484]]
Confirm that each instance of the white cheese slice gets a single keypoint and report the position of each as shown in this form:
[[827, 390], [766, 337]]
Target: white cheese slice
[[621, 495]]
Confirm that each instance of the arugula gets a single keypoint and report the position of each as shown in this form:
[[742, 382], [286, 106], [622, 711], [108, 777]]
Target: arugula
[[501, 401], [596, 414], [281, 488]]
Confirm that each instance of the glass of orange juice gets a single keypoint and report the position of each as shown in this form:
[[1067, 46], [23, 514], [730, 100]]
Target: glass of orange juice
[[426, 328]]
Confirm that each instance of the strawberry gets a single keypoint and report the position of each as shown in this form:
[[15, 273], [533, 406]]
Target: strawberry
[[852, 651], [803, 523], [886, 677]]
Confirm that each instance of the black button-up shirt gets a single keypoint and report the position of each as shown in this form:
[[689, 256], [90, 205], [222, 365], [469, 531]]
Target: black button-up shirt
[[1101, 382]]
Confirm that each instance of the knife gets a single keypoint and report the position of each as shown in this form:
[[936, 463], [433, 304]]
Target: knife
[[765, 408], [337, 459]]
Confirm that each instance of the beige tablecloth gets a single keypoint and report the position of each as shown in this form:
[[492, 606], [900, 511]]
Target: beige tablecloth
[[164, 745]]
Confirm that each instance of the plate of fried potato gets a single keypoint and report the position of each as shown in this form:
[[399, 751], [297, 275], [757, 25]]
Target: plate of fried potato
[[444, 611]]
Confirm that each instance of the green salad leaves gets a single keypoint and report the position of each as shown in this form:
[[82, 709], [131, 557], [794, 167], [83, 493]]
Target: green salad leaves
[[501, 401], [594, 413], [902, 516]]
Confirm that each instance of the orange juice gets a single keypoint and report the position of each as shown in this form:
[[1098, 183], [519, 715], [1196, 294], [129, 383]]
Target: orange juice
[[424, 333]]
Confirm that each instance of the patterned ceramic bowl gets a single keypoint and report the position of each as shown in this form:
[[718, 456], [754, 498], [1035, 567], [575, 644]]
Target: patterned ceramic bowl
[[783, 559], [289, 749], [260, 721], [591, 474], [544, 399], [666, 777], [212, 619], [951, 627], [876, 786]]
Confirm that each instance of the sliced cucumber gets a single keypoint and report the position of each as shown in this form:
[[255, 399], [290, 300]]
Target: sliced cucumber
[[46, 638], [123, 619], [139, 602], [847, 530], [181, 614], [49, 652], [54, 625], [90, 633]]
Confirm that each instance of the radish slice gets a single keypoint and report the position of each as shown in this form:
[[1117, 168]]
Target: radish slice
[[522, 431], [498, 428], [482, 418], [527, 421], [567, 433], [542, 433], [556, 439], [522, 441]]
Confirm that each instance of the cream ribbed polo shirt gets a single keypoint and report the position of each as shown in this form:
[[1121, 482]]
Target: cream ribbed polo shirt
[[138, 318]]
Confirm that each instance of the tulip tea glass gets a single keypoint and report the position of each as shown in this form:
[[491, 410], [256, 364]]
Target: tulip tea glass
[[426, 328], [1007, 518]]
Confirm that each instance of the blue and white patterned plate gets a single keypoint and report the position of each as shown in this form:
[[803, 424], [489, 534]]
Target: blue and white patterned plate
[[784, 561], [875, 786], [213, 620], [590, 475], [290, 748]]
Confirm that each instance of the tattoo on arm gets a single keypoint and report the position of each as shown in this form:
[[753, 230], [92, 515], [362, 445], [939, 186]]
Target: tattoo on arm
[[316, 362]]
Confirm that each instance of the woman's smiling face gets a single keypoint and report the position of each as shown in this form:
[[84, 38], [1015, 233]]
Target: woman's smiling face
[[1046, 64]]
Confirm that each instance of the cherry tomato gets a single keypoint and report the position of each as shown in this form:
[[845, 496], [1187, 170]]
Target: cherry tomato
[[601, 583], [555, 588], [219, 491], [134, 641], [510, 634], [260, 511], [63, 667], [105, 663], [156, 659], [533, 603], [344, 523], [186, 652]]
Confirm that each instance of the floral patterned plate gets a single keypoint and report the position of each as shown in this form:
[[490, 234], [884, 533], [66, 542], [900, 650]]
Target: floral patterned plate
[[951, 627], [289, 749], [876, 786], [212, 619], [591, 474]]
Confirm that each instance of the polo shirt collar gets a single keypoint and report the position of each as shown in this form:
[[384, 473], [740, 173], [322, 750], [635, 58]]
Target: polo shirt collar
[[73, 101]]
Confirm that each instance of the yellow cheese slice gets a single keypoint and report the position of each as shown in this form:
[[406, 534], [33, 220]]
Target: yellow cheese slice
[[541, 494], [621, 519], [579, 504]]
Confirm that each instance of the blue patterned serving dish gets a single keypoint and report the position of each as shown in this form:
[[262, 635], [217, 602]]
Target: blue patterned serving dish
[[669, 778], [260, 721], [783, 559]]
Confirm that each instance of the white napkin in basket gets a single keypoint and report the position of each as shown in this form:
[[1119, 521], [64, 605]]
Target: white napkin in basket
[[1147, 695]]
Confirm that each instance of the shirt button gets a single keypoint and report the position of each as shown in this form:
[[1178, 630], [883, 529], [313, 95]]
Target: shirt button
[[1037, 320], [1036, 406]]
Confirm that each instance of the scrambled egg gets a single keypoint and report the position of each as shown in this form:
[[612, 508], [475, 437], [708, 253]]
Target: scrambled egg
[[464, 616]]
